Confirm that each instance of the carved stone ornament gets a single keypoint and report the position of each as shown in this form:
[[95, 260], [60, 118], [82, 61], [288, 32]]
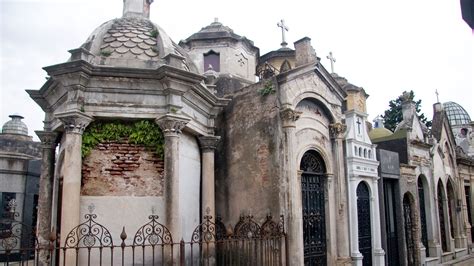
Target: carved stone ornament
[[74, 121], [172, 124], [208, 143], [289, 116], [48, 138], [337, 130]]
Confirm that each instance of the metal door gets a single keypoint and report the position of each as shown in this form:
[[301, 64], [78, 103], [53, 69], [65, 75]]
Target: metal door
[[313, 197], [409, 237], [363, 218], [424, 231], [391, 222]]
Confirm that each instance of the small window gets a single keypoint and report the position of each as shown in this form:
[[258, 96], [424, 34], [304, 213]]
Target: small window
[[355, 150], [212, 60], [365, 153], [360, 151], [370, 154]]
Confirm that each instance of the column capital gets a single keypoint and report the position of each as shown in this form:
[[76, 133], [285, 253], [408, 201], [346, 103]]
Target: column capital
[[48, 138], [74, 121], [289, 117], [337, 130], [208, 143], [171, 125]]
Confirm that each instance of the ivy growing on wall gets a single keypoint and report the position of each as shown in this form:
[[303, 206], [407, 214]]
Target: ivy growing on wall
[[142, 132]]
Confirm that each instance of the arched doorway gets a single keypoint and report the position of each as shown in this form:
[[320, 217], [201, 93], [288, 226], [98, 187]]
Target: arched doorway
[[409, 225], [422, 203], [313, 186], [451, 208], [442, 225], [363, 218]]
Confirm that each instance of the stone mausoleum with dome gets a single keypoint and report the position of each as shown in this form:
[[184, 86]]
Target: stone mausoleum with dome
[[137, 125]]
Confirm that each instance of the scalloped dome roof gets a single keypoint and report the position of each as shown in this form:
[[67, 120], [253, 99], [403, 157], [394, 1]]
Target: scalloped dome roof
[[457, 115], [15, 126], [134, 41]]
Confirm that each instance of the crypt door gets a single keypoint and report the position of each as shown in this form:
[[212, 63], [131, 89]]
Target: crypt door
[[313, 187], [389, 190], [409, 224], [363, 218]]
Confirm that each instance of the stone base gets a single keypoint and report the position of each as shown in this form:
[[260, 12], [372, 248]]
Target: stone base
[[344, 261], [459, 253], [447, 256], [431, 261]]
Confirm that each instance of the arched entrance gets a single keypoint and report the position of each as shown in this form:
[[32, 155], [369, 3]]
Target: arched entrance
[[442, 225], [451, 208], [422, 203], [313, 186], [409, 225], [363, 218]]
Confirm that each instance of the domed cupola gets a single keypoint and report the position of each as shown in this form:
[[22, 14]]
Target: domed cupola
[[134, 41], [457, 116], [15, 126]]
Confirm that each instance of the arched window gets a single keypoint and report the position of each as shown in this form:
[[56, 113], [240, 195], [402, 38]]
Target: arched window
[[360, 151], [355, 150], [212, 59], [370, 154], [365, 153]]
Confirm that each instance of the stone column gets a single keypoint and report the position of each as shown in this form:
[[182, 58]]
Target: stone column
[[171, 125], [208, 145], [48, 145], [75, 123], [354, 222], [337, 135], [379, 254], [292, 200]]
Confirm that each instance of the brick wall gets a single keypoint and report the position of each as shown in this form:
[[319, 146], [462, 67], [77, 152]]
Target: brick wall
[[122, 169]]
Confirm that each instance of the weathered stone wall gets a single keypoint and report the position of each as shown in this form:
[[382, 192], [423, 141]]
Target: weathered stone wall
[[122, 169], [248, 158]]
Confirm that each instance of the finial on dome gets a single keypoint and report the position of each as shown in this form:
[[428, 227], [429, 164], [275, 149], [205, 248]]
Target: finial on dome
[[136, 8]]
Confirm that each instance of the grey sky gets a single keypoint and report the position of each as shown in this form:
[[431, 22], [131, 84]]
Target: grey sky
[[384, 46]]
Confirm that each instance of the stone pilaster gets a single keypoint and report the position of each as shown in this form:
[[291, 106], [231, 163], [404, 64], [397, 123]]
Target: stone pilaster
[[48, 145], [379, 253], [74, 123], [292, 199], [208, 146], [171, 125], [337, 131]]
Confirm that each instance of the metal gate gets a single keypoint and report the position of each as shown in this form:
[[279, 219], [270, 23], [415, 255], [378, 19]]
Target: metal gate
[[391, 222], [363, 218], [442, 226], [409, 237], [314, 217], [424, 232]]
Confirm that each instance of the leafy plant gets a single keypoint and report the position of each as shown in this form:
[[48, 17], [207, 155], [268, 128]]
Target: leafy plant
[[154, 33], [142, 132], [105, 53], [267, 88]]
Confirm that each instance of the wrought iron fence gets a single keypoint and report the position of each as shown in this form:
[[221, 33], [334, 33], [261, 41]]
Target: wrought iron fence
[[211, 243]]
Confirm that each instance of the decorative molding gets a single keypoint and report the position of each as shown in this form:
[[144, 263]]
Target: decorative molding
[[172, 125], [48, 139], [208, 143], [74, 121], [289, 117], [337, 130]]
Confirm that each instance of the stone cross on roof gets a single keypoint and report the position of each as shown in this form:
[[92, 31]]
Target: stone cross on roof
[[136, 8], [333, 60], [437, 95], [284, 28]]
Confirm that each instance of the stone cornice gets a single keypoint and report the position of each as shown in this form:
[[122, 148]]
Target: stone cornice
[[48, 139], [74, 121], [172, 125]]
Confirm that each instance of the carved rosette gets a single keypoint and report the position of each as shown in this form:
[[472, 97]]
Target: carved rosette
[[48, 139], [289, 117], [208, 143], [74, 121], [171, 125], [337, 130]]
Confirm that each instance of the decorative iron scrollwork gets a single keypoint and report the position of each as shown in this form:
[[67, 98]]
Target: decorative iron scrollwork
[[312, 162], [89, 234], [152, 233], [271, 228], [13, 233], [247, 228], [208, 231]]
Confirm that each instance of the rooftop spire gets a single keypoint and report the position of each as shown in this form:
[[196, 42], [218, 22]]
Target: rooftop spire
[[136, 8]]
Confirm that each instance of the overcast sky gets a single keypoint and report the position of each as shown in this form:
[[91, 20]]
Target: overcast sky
[[385, 47]]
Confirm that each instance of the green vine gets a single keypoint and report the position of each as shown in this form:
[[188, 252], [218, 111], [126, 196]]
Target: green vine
[[267, 88], [142, 132]]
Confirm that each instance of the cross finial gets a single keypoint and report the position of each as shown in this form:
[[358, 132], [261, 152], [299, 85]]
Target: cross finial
[[333, 60], [437, 95], [284, 28]]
